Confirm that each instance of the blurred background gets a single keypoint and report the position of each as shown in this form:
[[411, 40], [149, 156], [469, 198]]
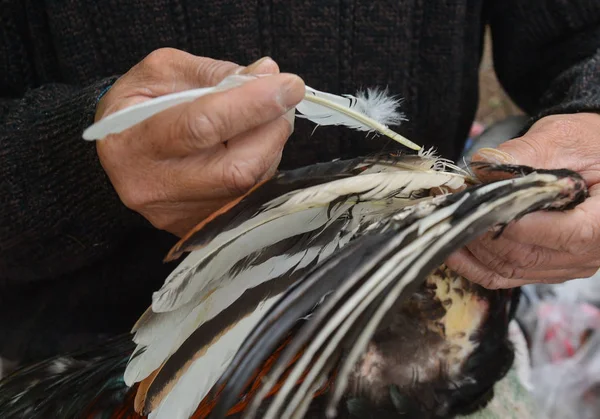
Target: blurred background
[[494, 104]]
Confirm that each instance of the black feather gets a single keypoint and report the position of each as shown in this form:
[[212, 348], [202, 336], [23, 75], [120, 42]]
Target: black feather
[[65, 386]]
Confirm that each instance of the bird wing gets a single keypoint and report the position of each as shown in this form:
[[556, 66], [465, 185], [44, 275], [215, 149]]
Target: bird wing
[[366, 278], [298, 336], [245, 256]]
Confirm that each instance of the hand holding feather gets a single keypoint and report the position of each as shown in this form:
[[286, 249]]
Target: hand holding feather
[[371, 111], [180, 165]]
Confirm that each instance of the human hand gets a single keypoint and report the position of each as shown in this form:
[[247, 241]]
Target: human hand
[[182, 164], [549, 247]]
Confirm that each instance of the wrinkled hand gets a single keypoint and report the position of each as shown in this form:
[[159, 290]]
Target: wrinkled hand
[[182, 164], [548, 247]]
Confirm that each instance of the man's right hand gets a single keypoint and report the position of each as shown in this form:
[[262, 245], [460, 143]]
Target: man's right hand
[[182, 164]]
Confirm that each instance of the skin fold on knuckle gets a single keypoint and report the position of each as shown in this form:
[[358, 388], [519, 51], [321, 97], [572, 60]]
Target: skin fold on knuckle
[[237, 178], [463, 263], [492, 281], [211, 71], [501, 267], [579, 240], [265, 109], [510, 271], [520, 258], [160, 58], [161, 220], [487, 279], [154, 68], [134, 196], [137, 187], [530, 149], [200, 129]]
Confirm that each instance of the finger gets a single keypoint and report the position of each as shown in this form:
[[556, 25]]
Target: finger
[[228, 171], [209, 72], [516, 260], [218, 117], [169, 70], [181, 216], [258, 152], [575, 231], [465, 264], [265, 65], [211, 120]]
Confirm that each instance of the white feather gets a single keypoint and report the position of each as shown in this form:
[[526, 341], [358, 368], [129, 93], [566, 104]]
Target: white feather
[[370, 111], [211, 290], [159, 334], [374, 104], [179, 289], [367, 112], [133, 115], [196, 382]]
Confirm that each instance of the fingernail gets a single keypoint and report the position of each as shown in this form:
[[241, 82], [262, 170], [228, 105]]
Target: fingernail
[[291, 91], [493, 155], [255, 65]]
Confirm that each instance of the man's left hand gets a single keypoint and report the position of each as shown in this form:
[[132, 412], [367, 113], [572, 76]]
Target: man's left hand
[[548, 247]]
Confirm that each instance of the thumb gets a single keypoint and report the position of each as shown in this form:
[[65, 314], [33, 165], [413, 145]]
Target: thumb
[[513, 152], [494, 155], [525, 150]]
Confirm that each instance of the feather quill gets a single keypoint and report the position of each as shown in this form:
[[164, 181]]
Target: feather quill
[[372, 111]]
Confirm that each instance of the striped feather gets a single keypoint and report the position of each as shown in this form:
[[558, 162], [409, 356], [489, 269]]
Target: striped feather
[[405, 256], [315, 217]]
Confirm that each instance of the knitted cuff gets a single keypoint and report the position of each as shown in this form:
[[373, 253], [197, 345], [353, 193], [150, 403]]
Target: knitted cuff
[[62, 204]]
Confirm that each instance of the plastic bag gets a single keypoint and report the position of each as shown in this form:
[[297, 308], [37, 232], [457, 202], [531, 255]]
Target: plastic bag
[[565, 360]]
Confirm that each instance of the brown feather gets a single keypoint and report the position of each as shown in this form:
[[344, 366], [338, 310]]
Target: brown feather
[[142, 391]]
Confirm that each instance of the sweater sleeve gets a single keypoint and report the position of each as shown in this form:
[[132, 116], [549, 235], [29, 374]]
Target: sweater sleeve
[[58, 210], [547, 54]]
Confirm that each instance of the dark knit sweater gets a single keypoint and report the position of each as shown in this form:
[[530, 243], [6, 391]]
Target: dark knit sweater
[[75, 264]]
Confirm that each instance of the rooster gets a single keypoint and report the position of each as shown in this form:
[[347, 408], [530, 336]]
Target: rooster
[[322, 292]]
